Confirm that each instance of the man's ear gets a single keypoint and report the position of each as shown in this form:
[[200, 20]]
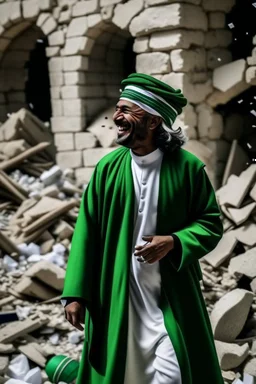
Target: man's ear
[[154, 122]]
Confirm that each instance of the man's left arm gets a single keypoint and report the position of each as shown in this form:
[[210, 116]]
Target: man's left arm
[[205, 229]]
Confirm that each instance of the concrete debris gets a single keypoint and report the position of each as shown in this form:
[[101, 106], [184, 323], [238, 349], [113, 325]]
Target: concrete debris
[[231, 355]]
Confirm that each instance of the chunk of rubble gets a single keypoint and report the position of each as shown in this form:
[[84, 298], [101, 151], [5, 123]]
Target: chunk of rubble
[[250, 367], [48, 273], [240, 215], [229, 75], [51, 176], [34, 288], [223, 250], [229, 314], [18, 367], [231, 355], [4, 363], [246, 234], [244, 264]]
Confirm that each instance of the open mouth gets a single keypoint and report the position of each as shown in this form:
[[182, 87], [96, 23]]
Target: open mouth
[[122, 127]]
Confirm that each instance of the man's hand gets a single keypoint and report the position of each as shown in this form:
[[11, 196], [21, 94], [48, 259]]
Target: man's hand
[[156, 248], [75, 314]]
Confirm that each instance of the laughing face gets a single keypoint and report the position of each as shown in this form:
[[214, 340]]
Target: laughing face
[[134, 125]]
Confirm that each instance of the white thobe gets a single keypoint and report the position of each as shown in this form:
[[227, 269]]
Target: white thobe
[[151, 358]]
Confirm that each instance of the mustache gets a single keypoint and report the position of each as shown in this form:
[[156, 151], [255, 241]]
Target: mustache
[[122, 123]]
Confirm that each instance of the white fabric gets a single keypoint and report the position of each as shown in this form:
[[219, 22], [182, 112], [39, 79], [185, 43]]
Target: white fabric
[[151, 358]]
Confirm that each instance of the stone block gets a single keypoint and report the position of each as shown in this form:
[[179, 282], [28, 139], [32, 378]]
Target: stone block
[[42, 18], [244, 264], [169, 17], [78, 46], [35, 288], [57, 107], [253, 285], [104, 129], [49, 26], [217, 20], [218, 5], [83, 8], [92, 156], [56, 38], [64, 141], [250, 75], [77, 27], [56, 64], [107, 12], [72, 92], [246, 234], [65, 17], [231, 355], [85, 140], [52, 51], [240, 215], [253, 193], [69, 159], [74, 108], [83, 175], [67, 124], [63, 230], [141, 44], [195, 93], [219, 97], [223, 250], [152, 63], [210, 123], [183, 60], [15, 11], [30, 9], [250, 368], [217, 57], [74, 78], [4, 44], [229, 314], [48, 273], [218, 38], [55, 92], [149, 3], [56, 79], [124, 13], [106, 3], [75, 63], [229, 75], [94, 22], [167, 40], [188, 117]]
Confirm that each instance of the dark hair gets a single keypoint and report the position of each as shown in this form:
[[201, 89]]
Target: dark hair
[[169, 140]]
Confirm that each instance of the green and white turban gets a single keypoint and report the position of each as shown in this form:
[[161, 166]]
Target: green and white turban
[[154, 96]]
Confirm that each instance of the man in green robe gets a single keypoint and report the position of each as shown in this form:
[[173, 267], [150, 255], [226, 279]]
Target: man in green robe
[[147, 216]]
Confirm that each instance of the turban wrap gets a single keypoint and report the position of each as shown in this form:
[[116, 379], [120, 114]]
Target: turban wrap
[[153, 96]]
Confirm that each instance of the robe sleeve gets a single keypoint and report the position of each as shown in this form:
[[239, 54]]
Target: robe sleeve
[[81, 261], [205, 229]]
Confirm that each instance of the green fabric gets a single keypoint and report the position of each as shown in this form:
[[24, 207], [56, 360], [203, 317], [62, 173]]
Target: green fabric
[[173, 97], [99, 265]]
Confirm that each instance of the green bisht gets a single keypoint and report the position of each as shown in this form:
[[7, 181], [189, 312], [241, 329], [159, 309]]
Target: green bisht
[[99, 265]]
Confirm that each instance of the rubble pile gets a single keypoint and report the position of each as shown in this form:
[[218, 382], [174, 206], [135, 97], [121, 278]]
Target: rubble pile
[[229, 278]]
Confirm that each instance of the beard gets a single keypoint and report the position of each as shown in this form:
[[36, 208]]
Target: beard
[[130, 134]]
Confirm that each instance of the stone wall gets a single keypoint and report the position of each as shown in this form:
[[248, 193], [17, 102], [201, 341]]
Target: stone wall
[[181, 43]]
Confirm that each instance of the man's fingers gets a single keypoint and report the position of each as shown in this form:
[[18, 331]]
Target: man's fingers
[[76, 321]]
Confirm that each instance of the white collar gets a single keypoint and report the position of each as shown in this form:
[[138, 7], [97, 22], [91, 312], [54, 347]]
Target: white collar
[[147, 159]]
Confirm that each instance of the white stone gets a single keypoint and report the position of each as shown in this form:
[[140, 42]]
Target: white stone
[[217, 20], [78, 45], [34, 376], [74, 78], [229, 75], [250, 367], [74, 337], [106, 3], [94, 22], [49, 177], [57, 107], [65, 17], [84, 140], [231, 355], [64, 141], [56, 38], [167, 40], [69, 159], [92, 156], [74, 108], [15, 11], [73, 92], [31, 8], [250, 75], [158, 2], [230, 313], [152, 63], [49, 26], [56, 64], [218, 5], [75, 63], [56, 78], [42, 18], [77, 27], [217, 57], [104, 128], [67, 124], [18, 367], [82, 8], [183, 60], [52, 51], [244, 264], [124, 13], [223, 250], [107, 12], [169, 17], [210, 123], [219, 97], [218, 38], [199, 150], [141, 44], [83, 175]]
